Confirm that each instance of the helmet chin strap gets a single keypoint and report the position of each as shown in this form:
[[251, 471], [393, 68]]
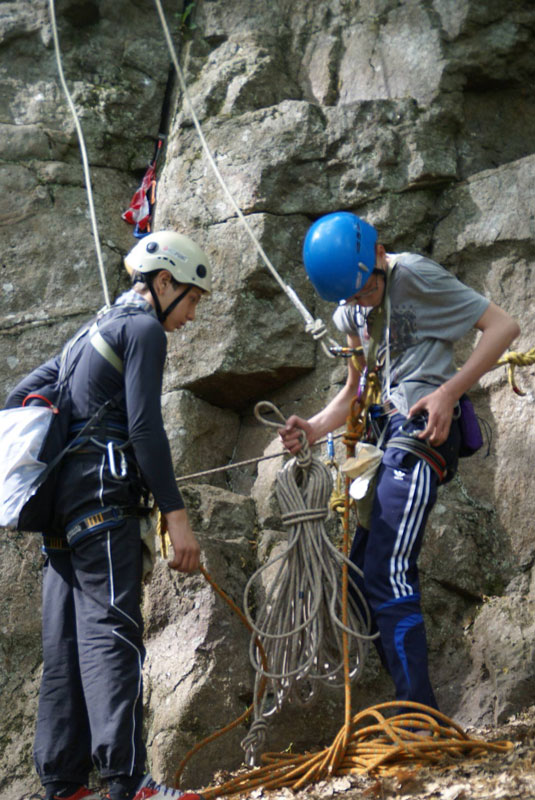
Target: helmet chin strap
[[162, 315]]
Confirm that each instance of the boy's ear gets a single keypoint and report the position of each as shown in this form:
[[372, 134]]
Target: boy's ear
[[162, 279]]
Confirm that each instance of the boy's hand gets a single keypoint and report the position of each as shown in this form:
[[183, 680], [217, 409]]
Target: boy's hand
[[186, 550], [292, 433], [439, 406]]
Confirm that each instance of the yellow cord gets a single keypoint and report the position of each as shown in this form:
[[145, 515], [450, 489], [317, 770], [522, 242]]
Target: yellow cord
[[516, 359]]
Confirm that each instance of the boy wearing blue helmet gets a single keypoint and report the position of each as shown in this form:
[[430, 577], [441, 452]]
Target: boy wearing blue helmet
[[423, 310]]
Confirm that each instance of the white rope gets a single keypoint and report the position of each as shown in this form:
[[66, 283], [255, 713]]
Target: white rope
[[315, 327], [299, 624], [83, 151]]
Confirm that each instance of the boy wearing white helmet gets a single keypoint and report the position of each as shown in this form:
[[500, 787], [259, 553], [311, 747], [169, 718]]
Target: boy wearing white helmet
[[406, 312], [91, 703], [186, 263]]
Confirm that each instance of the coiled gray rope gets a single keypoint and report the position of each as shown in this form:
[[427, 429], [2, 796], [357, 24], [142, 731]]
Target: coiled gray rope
[[299, 624]]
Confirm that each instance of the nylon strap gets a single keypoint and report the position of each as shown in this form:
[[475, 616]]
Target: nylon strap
[[421, 450], [380, 316], [105, 350]]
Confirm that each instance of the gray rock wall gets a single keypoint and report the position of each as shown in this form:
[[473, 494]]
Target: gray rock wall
[[418, 115]]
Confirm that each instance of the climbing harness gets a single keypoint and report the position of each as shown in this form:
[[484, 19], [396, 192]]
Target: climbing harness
[[115, 444], [421, 449], [101, 519]]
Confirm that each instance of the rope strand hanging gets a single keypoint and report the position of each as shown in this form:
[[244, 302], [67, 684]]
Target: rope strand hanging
[[315, 327], [83, 151]]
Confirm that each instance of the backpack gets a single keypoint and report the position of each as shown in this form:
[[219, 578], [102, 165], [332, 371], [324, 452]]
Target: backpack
[[34, 438]]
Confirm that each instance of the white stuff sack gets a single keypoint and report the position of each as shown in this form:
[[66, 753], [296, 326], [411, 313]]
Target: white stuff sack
[[23, 431], [362, 468]]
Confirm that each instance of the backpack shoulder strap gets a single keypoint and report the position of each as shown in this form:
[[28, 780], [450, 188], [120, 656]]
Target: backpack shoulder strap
[[106, 351], [380, 324], [101, 345]]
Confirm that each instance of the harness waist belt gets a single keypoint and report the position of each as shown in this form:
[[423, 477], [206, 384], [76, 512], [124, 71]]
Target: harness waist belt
[[389, 408], [101, 519], [422, 450], [104, 430]]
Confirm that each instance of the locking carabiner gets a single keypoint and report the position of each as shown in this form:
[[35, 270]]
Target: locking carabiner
[[119, 476]]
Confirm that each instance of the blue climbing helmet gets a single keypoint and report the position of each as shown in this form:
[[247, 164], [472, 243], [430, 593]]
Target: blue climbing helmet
[[339, 255]]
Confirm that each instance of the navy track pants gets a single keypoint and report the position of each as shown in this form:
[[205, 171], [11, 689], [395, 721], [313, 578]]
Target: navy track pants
[[90, 703], [387, 554]]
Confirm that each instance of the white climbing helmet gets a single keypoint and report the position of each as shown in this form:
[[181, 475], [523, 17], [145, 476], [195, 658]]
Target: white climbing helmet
[[175, 252]]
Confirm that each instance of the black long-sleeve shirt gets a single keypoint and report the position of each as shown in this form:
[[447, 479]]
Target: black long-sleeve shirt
[[136, 336]]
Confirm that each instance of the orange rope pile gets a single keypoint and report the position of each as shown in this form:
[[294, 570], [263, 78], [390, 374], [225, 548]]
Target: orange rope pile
[[376, 744]]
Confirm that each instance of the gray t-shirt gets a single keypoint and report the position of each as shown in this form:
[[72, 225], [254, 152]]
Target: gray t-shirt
[[429, 310]]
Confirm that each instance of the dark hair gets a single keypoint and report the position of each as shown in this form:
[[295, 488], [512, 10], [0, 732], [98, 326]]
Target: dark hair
[[145, 277]]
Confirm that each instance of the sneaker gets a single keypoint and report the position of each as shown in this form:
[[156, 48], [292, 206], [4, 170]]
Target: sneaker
[[80, 794], [150, 790]]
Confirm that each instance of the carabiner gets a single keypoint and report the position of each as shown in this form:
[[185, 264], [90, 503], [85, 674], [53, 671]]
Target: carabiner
[[113, 467], [330, 447], [362, 383], [414, 433]]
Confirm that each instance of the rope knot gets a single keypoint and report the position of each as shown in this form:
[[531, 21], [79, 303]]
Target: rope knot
[[255, 740], [337, 502], [316, 328], [304, 456]]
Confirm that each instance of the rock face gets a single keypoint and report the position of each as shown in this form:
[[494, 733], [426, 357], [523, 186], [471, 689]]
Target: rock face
[[416, 115]]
